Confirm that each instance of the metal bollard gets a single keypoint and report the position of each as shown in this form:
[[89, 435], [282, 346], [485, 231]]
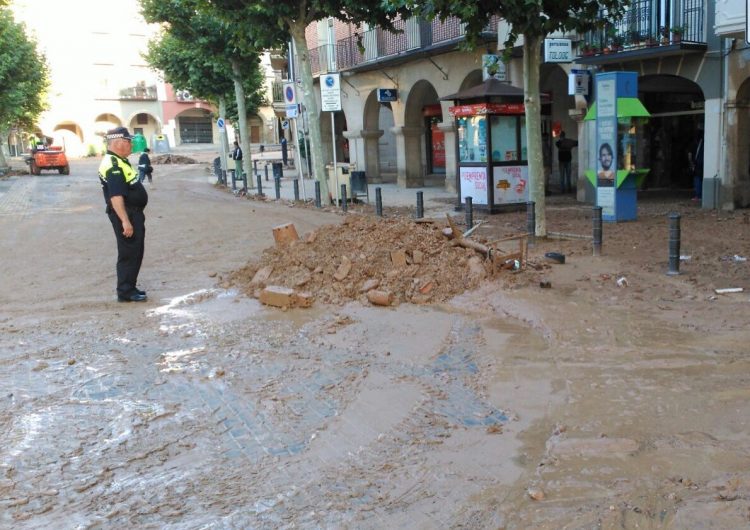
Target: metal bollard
[[224, 177], [597, 220], [469, 213], [234, 182], [255, 167], [296, 189], [317, 195], [378, 202], [260, 184], [344, 205], [674, 244], [531, 222], [420, 205], [277, 187], [266, 171]]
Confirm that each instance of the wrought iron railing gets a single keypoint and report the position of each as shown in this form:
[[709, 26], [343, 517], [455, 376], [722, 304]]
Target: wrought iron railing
[[649, 23], [139, 92], [277, 91], [413, 35]]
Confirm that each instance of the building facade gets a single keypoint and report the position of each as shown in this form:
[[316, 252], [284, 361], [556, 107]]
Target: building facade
[[99, 80]]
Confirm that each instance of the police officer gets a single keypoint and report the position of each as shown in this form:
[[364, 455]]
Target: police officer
[[126, 199]]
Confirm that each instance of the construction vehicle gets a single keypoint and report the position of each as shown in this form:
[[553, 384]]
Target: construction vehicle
[[48, 158]]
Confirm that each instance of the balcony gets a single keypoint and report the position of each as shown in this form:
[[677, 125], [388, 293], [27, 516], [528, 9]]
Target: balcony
[[647, 30], [379, 46], [139, 92]]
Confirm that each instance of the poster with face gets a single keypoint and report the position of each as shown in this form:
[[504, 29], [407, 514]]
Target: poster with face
[[606, 130]]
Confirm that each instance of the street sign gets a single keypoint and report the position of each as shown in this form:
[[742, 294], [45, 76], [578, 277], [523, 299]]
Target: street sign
[[386, 95], [285, 124], [220, 124], [578, 83], [558, 51], [290, 99], [330, 92]]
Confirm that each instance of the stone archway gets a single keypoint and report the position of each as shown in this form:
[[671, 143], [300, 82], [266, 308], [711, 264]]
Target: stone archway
[[145, 123], [379, 140], [737, 184], [70, 135], [411, 139], [553, 81], [677, 112]]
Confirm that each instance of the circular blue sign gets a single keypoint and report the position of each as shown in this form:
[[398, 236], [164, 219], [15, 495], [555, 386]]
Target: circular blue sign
[[330, 81], [289, 93]]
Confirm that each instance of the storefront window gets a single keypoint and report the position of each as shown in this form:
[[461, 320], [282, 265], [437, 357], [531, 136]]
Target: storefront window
[[505, 147], [472, 139]]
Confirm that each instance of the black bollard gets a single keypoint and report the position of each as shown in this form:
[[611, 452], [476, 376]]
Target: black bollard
[[266, 171], [260, 185], [674, 244], [469, 213], [344, 205], [296, 189], [531, 222], [255, 167], [277, 187], [234, 181], [420, 205], [597, 220], [224, 177], [378, 202], [317, 195]]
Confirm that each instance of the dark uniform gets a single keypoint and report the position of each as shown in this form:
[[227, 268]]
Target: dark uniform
[[119, 178]]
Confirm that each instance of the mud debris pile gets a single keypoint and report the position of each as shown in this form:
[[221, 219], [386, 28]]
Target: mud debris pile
[[172, 159], [407, 261]]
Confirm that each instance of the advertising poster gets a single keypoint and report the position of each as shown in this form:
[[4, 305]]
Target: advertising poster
[[511, 184], [606, 130], [474, 184]]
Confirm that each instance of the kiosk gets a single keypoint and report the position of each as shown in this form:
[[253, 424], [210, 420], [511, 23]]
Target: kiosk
[[491, 156], [619, 114]]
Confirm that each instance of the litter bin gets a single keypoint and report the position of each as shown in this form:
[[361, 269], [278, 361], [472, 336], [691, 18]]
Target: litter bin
[[139, 143], [343, 172], [278, 170], [160, 143]]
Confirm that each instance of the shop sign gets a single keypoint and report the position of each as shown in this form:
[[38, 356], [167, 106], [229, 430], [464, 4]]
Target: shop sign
[[493, 67], [480, 109], [558, 51], [578, 83]]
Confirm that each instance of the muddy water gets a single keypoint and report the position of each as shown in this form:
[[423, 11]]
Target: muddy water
[[217, 411]]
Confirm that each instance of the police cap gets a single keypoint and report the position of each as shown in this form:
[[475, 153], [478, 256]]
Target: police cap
[[118, 132]]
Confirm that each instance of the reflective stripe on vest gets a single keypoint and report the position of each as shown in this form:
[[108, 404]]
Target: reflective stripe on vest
[[108, 162]]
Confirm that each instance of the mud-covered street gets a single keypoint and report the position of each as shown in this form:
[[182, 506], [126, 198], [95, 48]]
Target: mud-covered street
[[587, 405]]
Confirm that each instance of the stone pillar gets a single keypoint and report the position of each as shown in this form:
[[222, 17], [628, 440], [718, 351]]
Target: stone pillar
[[735, 180], [356, 149], [371, 154], [409, 156], [449, 130]]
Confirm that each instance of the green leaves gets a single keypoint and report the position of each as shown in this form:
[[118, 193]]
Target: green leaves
[[23, 75]]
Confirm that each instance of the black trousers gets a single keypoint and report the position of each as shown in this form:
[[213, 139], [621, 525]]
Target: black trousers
[[129, 250]]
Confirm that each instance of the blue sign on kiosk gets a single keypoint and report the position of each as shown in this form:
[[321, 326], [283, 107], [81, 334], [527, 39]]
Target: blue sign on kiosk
[[617, 112]]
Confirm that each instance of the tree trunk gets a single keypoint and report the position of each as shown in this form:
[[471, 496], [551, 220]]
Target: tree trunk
[[223, 140], [3, 163], [531, 62], [239, 93], [297, 29]]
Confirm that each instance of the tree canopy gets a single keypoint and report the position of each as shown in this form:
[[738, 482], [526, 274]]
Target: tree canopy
[[195, 52], [24, 77]]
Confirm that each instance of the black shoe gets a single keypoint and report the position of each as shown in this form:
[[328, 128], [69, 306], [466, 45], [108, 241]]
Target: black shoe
[[137, 290], [133, 297]]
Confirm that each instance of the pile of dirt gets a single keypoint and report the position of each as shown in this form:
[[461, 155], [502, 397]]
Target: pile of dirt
[[172, 159], [413, 262]]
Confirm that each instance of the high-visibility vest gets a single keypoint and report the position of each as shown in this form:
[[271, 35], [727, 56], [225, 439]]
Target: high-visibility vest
[[110, 161]]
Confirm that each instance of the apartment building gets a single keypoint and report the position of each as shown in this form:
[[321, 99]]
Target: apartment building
[[690, 57], [99, 80]]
